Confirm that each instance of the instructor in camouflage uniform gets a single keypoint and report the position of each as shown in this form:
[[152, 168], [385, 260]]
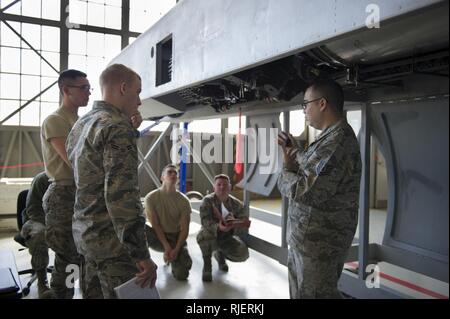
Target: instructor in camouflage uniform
[[169, 212], [108, 223], [59, 198], [33, 230], [222, 218], [322, 184]]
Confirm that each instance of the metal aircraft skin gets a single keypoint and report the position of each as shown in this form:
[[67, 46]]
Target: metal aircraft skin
[[197, 64]]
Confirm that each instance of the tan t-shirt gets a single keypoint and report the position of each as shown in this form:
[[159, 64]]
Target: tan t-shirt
[[168, 208], [57, 124]]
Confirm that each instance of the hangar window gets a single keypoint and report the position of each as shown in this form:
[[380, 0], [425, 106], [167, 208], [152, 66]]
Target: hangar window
[[143, 14], [233, 125], [158, 128], [354, 119], [131, 40], [24, 74], [99, 13], [48, 9], [91, 52], [212, 126], [296, 122]]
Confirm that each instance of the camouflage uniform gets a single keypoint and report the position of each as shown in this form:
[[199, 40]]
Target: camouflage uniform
[[211, 239], [108, 222], [183, 263], [58, 202], [172, 210], [33, 229], [323, 198]]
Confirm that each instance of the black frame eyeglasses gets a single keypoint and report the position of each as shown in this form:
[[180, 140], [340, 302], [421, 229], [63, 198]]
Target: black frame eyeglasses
[[304, 104], [84, 87]]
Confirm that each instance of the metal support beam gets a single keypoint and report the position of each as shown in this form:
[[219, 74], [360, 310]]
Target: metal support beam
[[57, 24], [9, 152], [166, 152], [27, 103], [30, 20], [198, 161], [246, 194], [64, 37], [363, 251], [184, 159], [91, 28], [20, 153], [268, 249], [284, 200], [154, 148], [149, 170], [266, 216], [125, 23], [223, 132], [9, 5], [28, 43]]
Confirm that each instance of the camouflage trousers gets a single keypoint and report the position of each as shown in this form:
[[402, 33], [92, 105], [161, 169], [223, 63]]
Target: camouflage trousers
[[34, 234], [231, 246], [102, 276], [58, 202], [183, 263], [312, 277]]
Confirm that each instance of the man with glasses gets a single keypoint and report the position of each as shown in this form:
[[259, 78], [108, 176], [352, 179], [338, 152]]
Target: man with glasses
[[33, 231], [59, 198], [169, 212], [322, 184]]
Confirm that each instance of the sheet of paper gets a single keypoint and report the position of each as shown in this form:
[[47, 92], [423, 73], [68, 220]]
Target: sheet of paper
[[225, 211], [130, 290]]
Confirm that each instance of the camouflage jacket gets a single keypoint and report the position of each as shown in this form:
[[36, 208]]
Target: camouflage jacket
[[108, 215], [323, 192], [34, 210], [209, 221]]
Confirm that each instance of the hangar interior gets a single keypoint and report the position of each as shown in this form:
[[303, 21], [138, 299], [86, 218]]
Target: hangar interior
[[203, 77]]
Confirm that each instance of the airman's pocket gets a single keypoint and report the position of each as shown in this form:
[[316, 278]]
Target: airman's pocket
[[299, 222]]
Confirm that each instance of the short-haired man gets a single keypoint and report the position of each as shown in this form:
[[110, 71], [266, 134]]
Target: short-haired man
[[108, 223], [33, 231], [169, 212], [221, 215], [322, 185], [59, 198]]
